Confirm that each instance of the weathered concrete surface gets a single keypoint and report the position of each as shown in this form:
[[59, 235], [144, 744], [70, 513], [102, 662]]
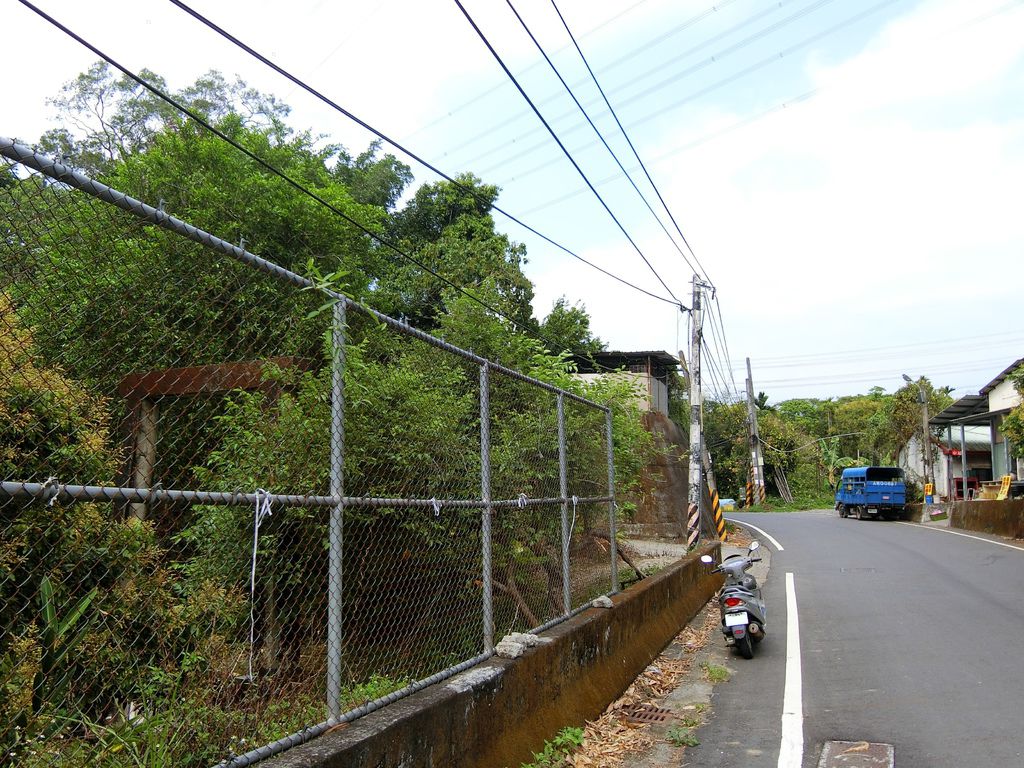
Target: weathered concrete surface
[[497, 713], [1003, 518], [661, 507]]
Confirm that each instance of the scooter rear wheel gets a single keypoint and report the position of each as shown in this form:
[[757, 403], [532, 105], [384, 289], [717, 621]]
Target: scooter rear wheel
[[745, 646]]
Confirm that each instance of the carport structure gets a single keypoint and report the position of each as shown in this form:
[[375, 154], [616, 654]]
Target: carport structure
[[986, 409]]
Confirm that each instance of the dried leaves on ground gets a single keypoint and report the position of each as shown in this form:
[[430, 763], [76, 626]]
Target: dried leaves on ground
[[612, 738]]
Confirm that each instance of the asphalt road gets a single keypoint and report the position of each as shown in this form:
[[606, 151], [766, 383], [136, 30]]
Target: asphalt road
[[909, 636]]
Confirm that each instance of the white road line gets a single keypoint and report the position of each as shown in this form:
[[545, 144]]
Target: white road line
[[966, 536], [763, 533], [791, 750]]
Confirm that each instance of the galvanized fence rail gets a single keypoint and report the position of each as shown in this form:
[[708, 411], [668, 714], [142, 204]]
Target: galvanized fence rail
[[238, 508]]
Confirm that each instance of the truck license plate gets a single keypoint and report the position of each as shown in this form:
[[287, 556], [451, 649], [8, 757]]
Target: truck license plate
[[736, 619]]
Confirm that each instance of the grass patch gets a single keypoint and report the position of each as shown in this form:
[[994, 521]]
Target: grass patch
[[715, 672], [801, 502]]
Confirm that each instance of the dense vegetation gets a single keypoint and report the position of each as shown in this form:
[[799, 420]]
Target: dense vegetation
[[812, 440], [124, 629]]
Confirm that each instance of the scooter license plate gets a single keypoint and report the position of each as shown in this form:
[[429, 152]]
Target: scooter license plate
[[736, 619]]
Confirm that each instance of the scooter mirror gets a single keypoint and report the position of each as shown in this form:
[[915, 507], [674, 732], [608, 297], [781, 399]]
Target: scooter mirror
[[707, 559], [755, 544]]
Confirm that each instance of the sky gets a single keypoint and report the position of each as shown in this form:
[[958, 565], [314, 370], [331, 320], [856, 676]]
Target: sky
[[847, 173]]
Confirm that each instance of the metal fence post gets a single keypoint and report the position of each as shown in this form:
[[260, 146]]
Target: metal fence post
[[334, 574], [612, 522], [485, 495], [563, 490]]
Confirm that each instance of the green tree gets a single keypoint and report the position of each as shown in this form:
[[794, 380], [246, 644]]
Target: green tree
[[111, 117], [568, 328], [449, 228]]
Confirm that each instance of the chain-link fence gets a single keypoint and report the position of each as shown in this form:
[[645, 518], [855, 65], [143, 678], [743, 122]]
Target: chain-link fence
[[238, 509]]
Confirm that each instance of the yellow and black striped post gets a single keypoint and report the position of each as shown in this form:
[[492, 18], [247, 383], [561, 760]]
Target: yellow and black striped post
[[750, 494], [716, 511], [692, 525]]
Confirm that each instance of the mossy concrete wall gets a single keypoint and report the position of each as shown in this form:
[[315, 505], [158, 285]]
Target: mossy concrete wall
[[1003, 518], [664, 483], [499, 712]]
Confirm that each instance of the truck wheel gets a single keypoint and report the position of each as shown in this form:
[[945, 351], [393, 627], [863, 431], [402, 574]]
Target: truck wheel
[[860, 512]]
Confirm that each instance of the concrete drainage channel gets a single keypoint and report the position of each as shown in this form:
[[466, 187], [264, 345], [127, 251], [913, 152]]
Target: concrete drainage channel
[[690, 700]]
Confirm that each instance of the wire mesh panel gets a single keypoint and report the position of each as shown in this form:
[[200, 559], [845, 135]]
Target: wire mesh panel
[[590, 549], [527, 528], [133, 358], [237, 507]]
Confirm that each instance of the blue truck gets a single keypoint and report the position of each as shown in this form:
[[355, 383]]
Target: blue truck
[[871, 492]]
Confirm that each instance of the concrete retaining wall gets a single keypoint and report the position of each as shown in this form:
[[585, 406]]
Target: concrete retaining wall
[[1004, 518], [497, 713]]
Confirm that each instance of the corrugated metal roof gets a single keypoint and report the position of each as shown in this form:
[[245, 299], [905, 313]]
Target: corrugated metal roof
[[962, 411], [1001, 377], [973, 409], [661, 361]]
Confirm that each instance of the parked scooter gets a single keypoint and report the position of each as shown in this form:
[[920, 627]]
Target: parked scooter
[[740, 601]]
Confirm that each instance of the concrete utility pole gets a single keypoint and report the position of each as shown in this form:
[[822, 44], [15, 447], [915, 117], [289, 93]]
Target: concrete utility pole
[[926, 447], [756, 460], [695, 494]]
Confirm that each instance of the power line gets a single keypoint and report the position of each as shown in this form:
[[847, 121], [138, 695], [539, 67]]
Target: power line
[[873, 375], [711, 136], [721, 349], [617, 62], [625, 135], [267, 166], [603, 140], [363, 124], [894, 351], [558, 141], [725, 342], [762, 63], [741, 123], [441, 118]]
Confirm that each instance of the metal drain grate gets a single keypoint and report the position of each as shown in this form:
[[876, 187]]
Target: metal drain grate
[[645, 713]]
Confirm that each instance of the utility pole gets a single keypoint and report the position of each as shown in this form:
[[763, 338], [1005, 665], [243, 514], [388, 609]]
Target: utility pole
[[926, 446], [695, 491], [756, 460], [709, 469]]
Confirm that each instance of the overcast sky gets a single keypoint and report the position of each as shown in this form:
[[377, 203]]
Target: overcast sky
[[847, 172]]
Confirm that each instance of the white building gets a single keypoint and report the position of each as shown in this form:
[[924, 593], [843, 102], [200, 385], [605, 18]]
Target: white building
[[650, 372]]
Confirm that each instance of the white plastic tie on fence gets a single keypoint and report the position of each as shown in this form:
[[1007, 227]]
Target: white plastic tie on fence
[[51, 490], [262, 510], [572, 525], [522, 501], [437, 506]]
